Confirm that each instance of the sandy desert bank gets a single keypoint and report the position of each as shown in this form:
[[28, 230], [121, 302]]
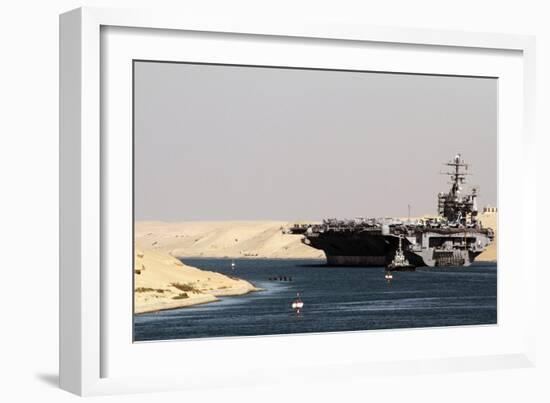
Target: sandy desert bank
[[163, 282]]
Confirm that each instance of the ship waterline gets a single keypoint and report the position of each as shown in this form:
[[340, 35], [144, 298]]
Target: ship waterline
[[341, 260]]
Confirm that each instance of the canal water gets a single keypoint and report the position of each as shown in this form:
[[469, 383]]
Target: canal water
[[335, 299]]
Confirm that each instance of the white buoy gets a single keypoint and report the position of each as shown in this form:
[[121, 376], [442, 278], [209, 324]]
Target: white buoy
[[297, 304]]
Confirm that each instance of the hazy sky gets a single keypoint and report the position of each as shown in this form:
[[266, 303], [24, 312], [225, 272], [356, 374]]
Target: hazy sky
[[231, 142]]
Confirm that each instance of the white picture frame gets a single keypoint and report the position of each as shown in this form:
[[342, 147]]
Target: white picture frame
[[96, 357]]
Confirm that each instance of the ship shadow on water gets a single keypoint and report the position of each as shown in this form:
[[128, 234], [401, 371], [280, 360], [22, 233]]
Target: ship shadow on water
[[314, 265], [475, 265]]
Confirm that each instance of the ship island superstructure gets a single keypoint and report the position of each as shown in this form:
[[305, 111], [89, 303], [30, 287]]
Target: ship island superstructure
[[453, 238]]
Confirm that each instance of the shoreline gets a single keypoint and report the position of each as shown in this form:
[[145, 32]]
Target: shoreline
[[191, 303], [247, 258], [295, 258], [162, 282]]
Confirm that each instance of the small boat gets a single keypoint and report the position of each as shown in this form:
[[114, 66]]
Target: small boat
[[232, 265], [297, 304], [388, 276], [399, 262]]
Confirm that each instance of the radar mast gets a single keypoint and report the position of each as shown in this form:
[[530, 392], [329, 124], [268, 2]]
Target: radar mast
[[453, 206]]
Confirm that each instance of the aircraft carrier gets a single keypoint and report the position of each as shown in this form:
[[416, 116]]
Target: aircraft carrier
[[453, 238]]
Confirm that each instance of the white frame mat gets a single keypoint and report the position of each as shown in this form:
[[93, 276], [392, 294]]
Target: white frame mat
[[98, 45]]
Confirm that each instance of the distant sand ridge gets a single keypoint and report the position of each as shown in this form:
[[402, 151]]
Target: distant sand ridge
[[163, 282], [242, 239], [234, 239]]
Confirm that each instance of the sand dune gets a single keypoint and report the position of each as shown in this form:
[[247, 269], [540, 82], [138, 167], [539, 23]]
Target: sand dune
[[163, 282], [241, 239], [490, 220], [235, 239]]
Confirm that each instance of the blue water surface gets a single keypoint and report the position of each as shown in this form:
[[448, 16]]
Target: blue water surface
[[335, 299]]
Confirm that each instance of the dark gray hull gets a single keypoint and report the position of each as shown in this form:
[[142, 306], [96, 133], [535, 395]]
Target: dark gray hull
[[342, 260], [377, 250]]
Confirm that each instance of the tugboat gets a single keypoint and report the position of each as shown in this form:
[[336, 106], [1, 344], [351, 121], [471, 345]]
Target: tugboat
[[399, 262], [297, 304]]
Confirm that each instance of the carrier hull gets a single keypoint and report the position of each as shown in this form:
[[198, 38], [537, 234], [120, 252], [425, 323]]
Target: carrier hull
[[376, 250]]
